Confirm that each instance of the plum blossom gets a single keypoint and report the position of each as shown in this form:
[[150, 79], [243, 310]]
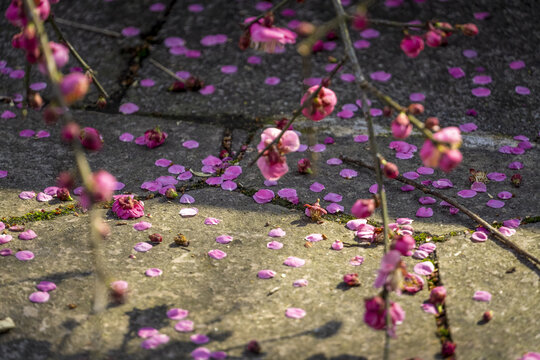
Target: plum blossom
[[321, 106], [263, 35], [126, 207], [412, 45], [272, 163], [439, 155], [375, 316]]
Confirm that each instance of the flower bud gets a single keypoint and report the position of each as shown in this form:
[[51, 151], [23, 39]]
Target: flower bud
[[305, 28], [363, 208], [415, 109], [318, 46], [351, 279], [101, 102], [119, 291], [432, 123], [448, 348], [329, 140], [91, 139], [193, 83], [390, 170], [177, 86], [516, 180], [412, 45], [488, 315], [387, 111], [65, 180], [155, 238], [171, 193], [401, 126], [74, 87], [468, 29], [63, 194], [434, 38], [437, 295], [360, 19], [253, 347], [35, 100], [70, 131], [304, 166]]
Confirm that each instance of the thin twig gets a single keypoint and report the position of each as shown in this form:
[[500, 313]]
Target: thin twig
[[88, 28], [298, 111], [272, 10], [505, 240], [165, 69], [26, 100], [78, 57], [359, 79]]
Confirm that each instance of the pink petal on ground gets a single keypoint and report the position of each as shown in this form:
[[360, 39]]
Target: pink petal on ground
[[151, 185], [51, 190], [24, 255], [466, 193], [481, 92], [456, 72], [479, 236], [380, 76], [496, 176], [334, 208], [425, 170], [266, 274], [427, 247], [211, 221], [300, 283], [118, 186], [522, 90], [6, 252], [429, 308], [302, 148], [356, 261], [193, 54], [333, 197], [147, 83], [424, 268], [27, 235], [314, 237], [272, 80], [189, 212], [176, 169], [407, 188], [347, 77], [420, 254], [424, 212], [417, 97], [370, 34], [254, 60], [469, 53], [427, 200], [411, 175], [224, 239], [154, 341], [295, 313], [232, 172], [316, 187], [443, 184], [190, 144], [78, 190], [404, 221], [516, 165], [334, 161], [507, 231], [375, 112], [177, 314], [27, 195], [200, 353], [362, 44], [163, 162], [184, 326], [8, 115], [39, 297], [263, 196], [481, 15], [207, 90], [42, 197], [277, 232], [17, 74], [199, 339], [174, 41], [147, 332], [5, 238], [478, 187], [128, 108], [126, 137], [142, 247], [350, 107], [345, 114], [361, 138], [354, 224], [496, 204], [348, 173], [274, 245], [482, 79], [294, 262], [46, 286], [482, 296], [215, 180], [516, 65], [512, 223], [130, 31], [153, 272], [229, 69], [217, 254], [468, 127], [195, 8], [42, 134], [229, 185], [373, 189], [504, 195]]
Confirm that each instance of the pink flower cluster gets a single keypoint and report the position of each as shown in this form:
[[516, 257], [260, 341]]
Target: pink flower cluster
[[439, 155], [375, 315], [321, 106], [272, 163]]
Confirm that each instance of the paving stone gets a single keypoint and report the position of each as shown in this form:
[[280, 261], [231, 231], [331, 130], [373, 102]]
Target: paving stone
[[467, 267], [225, 299]]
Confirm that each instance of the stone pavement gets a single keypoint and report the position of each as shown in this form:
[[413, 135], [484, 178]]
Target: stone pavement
[[225, 299]]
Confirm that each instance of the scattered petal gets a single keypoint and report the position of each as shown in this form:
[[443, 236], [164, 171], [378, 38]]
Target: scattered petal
[[272, 80], [466, 193], [424, 268], [424, 212], [295, 313], [266, 274], [468, 127], [26, 195], [479, 236], [217, 254], [177, 314], [274, 245], [316, 187], [356, 261], [263, 196], [199, 339], [24, 255], [314, 237], [496, 204], [294, 262], [147, 332], [142, 225], [189, 212], [153, 272], [277, 232], [39, 297], [27, 235], [211, 221], [224, 239], [522, 90], [429, 308], [348, 173], [142, 247], [456, 72], [482, 296], [300, 283], [184, 326], [128, 108], [516, 65]]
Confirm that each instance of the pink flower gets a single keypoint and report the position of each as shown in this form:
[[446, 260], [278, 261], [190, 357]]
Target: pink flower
[[154, 137], [437, 295], [119, 291], [351, 279], [468, 29], [91, 139], [60, 55], [263, 35], [375, 316], [390, 262], [434, 38], [404, 244], [412, 283], [103, 185], [74, 87], [273, 164], [16, 16], [363, 208], [390, 170], [401, 126], [321, 106], [450, 159], [126, 207], [432, 155], [412, 45]]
